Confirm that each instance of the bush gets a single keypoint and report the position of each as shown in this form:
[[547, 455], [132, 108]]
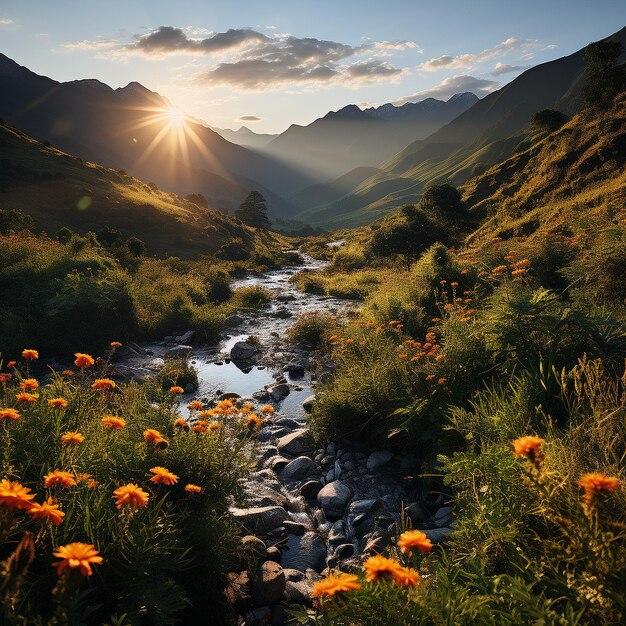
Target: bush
[[250, 298], [313, 329]]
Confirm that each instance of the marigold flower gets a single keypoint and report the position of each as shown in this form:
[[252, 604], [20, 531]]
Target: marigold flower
[[130, 495], [193, 488], [519, 272], [58, 403], [9, 414], [68, 373], [195, 405], [72, 439], [414, 539], [200, 427], [406, 577], [335, 583], [29, 384], [181, 424], [215, 426], [268, 409], [176, 389], [115, 344], [48, 511], [29, 398], [14, 495], [464, 272], [59, 478], [11, 364], [103, 384], [113, 422], [442, 381], [378, 566], [595, 483], [163, 476], [76, 556], [155, 438], [499, 269], [253, 421], [529, 446], [5, 377], [30, 355], [83, 360]]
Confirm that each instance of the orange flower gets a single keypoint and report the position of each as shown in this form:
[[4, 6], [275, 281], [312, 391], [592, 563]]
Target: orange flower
[[193, 488], [155, 438], [30, 355], [103, 384], [176, 389], [130, 495], [76, 556], [58, 403], [113, 422], [215, 426], [83, 360], [29, 384], [406, 577], [335, 583], [595, 483], [163, 476], [499, 269], [11, 364], [14, 495], [47, 511], [9, 414], [72, 439], [59, 478], [29, 398], [254, 421], [442, 381], [200, 427], [195, 405], [377, 567], [4, 377], [529, 446], [68, 373], [116, 344], [181, 424], [414, 539]]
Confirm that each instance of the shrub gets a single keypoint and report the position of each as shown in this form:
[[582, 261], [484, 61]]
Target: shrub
[[253, 297], [313, 329]]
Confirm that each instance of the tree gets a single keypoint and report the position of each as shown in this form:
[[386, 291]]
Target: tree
[[254, 212], [136, 246], [604, 78], [15, 220], [442, 201], [547, 120]]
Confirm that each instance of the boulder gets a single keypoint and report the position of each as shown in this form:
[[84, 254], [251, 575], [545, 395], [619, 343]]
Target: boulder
[[296, 443], [279, 391], [438, 534], [298, 469], [261, 616], [277, 463], [238, 591], [344, 551], [377, 459], [186, 337], [333, 498], [253, 549], [178, 352], [444, 511], [417, 513], [295, 370], [297, 592], [295, 528], [310, 489], [233, 320], [269, 586], [260, 520], [242, 351], [307, 403], [229, 395]]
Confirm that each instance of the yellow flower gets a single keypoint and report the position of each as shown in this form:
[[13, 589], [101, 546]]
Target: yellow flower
[[113, 422], [595, 483], [59, 478], [163, 476], [72, 439], [47, 511], [14, 495], [130, 495], [29, 384], [58, 403], [103, 384], [335, 583], [414, 539], [83, 360], [254, 421], [30, 355], [215, 426], [193, 488], [76, 556], [9, 414]]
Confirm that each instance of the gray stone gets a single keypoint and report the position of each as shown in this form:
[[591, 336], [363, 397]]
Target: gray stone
[[277, 463], [178, 352], [279, 391], [307, 403], [344, 551], [288, 422], [333, 498], [443, 512], [269, 585], [447, 520], [238, 592], [190, 388], [330, 476], [186, 337], [416, 512], [437, 534], [377, 459], [260, 520], [274, 554], [295, 370], [295, 528], [298, 469], [296, 443], [310, 489], [233, 320], [253, 548], [242, 351], [261, 396], [229, 395], [297, 592], [359, 507]]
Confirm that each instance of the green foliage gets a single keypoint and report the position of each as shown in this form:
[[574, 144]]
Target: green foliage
[[253, 211], [14, 220], [605, 79], [249, 298], [313, 329], [547, 121]]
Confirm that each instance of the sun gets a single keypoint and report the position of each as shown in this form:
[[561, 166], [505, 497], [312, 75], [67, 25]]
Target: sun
[[176, 116]]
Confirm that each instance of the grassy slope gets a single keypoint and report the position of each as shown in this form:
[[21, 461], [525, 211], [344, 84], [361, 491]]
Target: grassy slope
[[48, 184]]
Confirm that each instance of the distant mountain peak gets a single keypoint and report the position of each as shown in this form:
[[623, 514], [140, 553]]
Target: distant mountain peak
[[466, 97], [349, 112], [94, 83]]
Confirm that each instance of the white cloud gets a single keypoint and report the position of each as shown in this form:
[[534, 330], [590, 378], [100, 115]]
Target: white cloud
[[90, 44], [5, 21], [504, 68], [452, 85]]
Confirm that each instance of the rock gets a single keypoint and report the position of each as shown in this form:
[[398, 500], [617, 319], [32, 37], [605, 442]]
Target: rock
[[294, 574], [277, 463], [447, 520], [283, 313], [274, 554], [123, 352], [377, 459], [344, 551], [337, 534], [330, 475], [229, 395], [437, 534], [253, 548], [295, 370], [331, 449], [260, 520], [307, 403], [288, 422], [269, 585], [242, 351], [238, 592], [298, 469], [186, 337], [286, 297], [295, 528], [297, 592], [259, 617], [279, 391], [333, 498], [310, 489], [359, 507], [190, 388], [296, 443], [444, 511], [313, 552], [233, 320], [261, 396], [178, 352]]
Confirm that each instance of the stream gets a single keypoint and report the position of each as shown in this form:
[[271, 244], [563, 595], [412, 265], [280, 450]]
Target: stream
[[312, 507]]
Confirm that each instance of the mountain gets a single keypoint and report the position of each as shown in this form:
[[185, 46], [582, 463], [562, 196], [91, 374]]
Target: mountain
[[129, 128], [352, 137], [60, 190], [245, 137], [485, 134]]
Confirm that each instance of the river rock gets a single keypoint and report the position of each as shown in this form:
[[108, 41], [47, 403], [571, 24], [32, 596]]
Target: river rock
[[288, 422], [229, 395], [310, 489], [253, 548], [296, 443], [242, 351], [261, 616], [297, 592], [333, 498], [307, 403], [313, 552], [295, 528], [260, 520], [277, 463], [298, 469], [279, 391], [269, 585], [444, 511], [238, 591], [295, 370], [273, 554], [233, 320], [417, 513], [186, 337], [437, 534], [178, 352], [377, 459]]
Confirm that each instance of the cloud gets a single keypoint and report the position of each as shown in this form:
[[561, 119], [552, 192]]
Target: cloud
[[249, 118], [452, 85], [90, 44], [504, 68], [5, 21], [447, 61], [372, 69]]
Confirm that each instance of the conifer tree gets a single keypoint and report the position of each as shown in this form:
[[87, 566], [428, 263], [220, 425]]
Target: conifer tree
[[254, 212]]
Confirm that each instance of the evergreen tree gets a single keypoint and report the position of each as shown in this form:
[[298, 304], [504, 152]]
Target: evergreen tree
[[604, 77], [254, 212]]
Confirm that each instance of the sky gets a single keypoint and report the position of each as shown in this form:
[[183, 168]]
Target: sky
[[270, 64]]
